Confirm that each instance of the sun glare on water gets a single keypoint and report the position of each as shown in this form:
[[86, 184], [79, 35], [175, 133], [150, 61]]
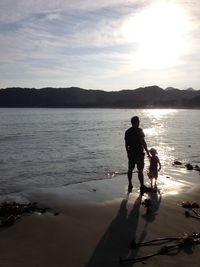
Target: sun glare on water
[[158, 33], [159, 113]]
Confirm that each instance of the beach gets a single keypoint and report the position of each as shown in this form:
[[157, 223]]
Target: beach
[[95, 223]]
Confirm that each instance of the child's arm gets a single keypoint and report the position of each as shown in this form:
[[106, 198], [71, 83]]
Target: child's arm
[[159, 164]]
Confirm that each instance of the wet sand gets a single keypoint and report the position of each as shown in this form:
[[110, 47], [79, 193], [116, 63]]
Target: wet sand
[[96, 224]]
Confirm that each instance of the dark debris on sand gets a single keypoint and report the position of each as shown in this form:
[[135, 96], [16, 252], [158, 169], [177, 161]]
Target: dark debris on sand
[[11, 212]]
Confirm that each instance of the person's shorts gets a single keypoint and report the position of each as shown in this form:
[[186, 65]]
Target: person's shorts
[[136, 160]]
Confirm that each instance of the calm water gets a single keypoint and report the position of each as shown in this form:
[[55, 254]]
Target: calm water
[[53, 147]]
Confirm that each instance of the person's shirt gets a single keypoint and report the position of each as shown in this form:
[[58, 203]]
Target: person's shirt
[[133, 137]]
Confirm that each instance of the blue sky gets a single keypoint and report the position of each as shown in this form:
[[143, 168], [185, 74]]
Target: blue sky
[[102, 44]]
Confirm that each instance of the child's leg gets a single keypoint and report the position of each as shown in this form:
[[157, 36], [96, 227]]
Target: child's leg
[[155, 184]]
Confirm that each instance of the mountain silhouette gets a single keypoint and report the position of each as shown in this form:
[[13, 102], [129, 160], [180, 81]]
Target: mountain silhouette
[[143, 97]]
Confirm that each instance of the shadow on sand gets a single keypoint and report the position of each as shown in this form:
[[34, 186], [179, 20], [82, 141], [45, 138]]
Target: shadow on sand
[[117, 239], [123, 231], [155, 200]]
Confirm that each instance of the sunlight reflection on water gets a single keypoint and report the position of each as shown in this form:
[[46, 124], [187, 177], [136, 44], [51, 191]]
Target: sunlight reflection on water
[[159, 112], [157, 130], [165, 134]]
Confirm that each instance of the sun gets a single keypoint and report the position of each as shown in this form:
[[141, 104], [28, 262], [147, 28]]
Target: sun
[[158, 33]]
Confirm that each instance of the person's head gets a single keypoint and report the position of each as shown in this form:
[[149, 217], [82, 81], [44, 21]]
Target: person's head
[[153, 152], [135, 121]]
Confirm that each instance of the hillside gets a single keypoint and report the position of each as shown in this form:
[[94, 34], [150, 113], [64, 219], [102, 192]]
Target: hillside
[[144, 97]]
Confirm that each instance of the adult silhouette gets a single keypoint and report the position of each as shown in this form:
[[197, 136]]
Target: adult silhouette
[[135, 145]]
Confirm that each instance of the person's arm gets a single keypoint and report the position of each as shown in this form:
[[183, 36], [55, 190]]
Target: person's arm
[[126, 143], [145, 147], [127, 147], [159, 164], [144, 144]]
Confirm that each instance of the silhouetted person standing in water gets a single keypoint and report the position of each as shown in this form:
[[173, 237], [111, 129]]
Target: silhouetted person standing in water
[[135, 146]]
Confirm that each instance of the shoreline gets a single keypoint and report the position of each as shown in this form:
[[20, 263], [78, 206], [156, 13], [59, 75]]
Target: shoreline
[[115, 187]]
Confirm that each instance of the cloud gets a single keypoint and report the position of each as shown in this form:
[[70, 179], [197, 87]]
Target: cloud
[[42, 40], [50, 31], [15, 10]]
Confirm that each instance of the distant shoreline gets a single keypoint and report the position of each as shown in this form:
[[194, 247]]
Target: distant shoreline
[[179, 108], [151, 97]]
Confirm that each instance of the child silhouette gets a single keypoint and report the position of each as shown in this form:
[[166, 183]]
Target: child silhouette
[[154, 167]]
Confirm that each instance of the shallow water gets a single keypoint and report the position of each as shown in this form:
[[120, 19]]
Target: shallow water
[[54, 147]]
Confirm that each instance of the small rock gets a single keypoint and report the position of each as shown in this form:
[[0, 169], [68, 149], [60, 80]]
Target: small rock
[[176, 162], [189, 166]]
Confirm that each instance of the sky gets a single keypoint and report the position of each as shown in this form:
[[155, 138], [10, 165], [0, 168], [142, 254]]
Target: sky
[[103, 44]]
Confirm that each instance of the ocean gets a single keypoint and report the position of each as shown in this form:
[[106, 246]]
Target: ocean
[[47, 148]]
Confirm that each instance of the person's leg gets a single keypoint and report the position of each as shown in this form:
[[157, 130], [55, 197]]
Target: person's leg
[[131, 166], [155, 185], [141, 177], [140, 167]]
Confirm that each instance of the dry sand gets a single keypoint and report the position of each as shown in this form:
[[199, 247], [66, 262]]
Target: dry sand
[[96, 224]]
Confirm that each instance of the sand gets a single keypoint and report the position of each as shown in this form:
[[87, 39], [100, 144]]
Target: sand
[[96, 224]]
